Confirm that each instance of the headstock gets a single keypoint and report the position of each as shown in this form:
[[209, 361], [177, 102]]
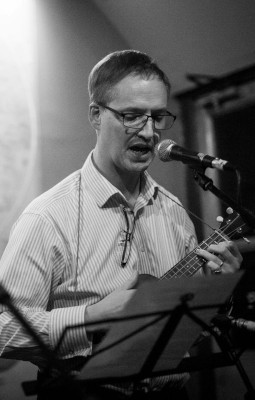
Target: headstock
[[233, 225]]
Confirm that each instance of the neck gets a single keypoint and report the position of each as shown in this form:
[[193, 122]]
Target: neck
[[131, 191], [127, 183]]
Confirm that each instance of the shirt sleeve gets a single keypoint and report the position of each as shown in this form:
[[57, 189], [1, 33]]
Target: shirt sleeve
[[191, 241], [30, 270]]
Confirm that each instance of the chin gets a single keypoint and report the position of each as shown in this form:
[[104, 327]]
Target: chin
[[139, 167]]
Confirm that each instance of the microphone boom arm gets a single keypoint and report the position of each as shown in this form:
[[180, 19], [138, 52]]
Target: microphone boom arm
[[206, 183]]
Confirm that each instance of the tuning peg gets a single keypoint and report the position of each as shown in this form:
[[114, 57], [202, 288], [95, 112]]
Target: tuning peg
[[219, 219], [246, 240], [229, 210]]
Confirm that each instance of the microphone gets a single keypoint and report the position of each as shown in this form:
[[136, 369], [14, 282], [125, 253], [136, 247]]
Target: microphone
[[225, 321], [244, 324], [168, 150]]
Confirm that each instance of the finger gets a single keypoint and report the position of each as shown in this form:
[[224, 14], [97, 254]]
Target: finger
[[233, 248], [220, 248], [224, 248], [207, 256], [212, 261], [215, 267], [232, 255], [224, 251]]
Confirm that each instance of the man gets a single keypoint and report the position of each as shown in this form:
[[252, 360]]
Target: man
[[75, 254]]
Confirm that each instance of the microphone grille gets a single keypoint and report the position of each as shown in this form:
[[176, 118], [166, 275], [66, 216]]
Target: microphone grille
[[164, 148]]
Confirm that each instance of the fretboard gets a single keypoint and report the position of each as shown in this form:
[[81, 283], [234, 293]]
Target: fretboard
[[189, 265]]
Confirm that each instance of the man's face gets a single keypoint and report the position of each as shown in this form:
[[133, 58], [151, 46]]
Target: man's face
[[125, 150]]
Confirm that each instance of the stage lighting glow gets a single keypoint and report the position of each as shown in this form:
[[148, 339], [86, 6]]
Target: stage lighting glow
[[18, 127], [17, 26]]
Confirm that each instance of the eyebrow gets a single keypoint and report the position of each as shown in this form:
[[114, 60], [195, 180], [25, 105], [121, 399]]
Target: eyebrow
[[143, 111]]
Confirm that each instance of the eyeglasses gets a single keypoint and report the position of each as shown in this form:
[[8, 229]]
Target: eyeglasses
[[137, 121], [127, 240]]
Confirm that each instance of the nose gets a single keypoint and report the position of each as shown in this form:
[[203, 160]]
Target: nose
[[148, 130]]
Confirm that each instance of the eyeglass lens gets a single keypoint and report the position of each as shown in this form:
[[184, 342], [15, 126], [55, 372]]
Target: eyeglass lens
[[139, 120]]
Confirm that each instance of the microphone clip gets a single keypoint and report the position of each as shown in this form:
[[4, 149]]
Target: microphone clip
[[204, 181]]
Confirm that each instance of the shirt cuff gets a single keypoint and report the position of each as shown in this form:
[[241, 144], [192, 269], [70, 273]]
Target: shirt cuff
[[67, 332]]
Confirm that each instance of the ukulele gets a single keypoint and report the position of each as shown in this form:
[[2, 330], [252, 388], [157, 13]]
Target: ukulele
[[232, 227]]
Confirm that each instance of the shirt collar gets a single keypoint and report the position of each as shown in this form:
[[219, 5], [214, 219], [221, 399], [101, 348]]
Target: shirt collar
[[149, 187], [102, 190]]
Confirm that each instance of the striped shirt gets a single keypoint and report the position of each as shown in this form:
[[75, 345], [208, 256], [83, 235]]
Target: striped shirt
[[65, 252]]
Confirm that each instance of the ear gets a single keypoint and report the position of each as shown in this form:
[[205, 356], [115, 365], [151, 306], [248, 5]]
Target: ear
[[94, 116]]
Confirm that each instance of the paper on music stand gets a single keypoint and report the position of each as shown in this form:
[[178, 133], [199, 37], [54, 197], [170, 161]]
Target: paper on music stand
[[127, 358]]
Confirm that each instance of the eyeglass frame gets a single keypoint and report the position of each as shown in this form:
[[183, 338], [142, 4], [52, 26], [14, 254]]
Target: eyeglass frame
[[128, 239], [121, 114]]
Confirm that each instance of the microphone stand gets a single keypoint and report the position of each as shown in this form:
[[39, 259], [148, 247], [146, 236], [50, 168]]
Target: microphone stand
[[206, 183]]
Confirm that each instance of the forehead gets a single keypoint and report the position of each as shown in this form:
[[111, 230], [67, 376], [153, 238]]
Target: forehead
[[137, 91]]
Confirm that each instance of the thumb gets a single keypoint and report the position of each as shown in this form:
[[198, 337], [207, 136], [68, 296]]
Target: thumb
[[130, 282]]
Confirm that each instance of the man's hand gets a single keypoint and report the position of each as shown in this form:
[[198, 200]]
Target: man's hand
[[224, 257], [112, 305]]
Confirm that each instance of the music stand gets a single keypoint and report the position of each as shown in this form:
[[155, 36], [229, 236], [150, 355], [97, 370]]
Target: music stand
[[160, 324]]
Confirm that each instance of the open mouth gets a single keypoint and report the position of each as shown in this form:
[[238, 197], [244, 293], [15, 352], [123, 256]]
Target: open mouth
[[141, 149]]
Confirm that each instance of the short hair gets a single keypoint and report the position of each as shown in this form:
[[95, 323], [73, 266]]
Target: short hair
[[115, 67]]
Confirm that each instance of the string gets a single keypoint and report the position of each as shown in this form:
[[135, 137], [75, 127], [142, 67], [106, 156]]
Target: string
[[187, 210], [200, 219], [192, 265], [193, 260]]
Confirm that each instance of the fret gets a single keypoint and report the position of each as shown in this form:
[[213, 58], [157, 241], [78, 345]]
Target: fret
[[231, 227], [189, 265]]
